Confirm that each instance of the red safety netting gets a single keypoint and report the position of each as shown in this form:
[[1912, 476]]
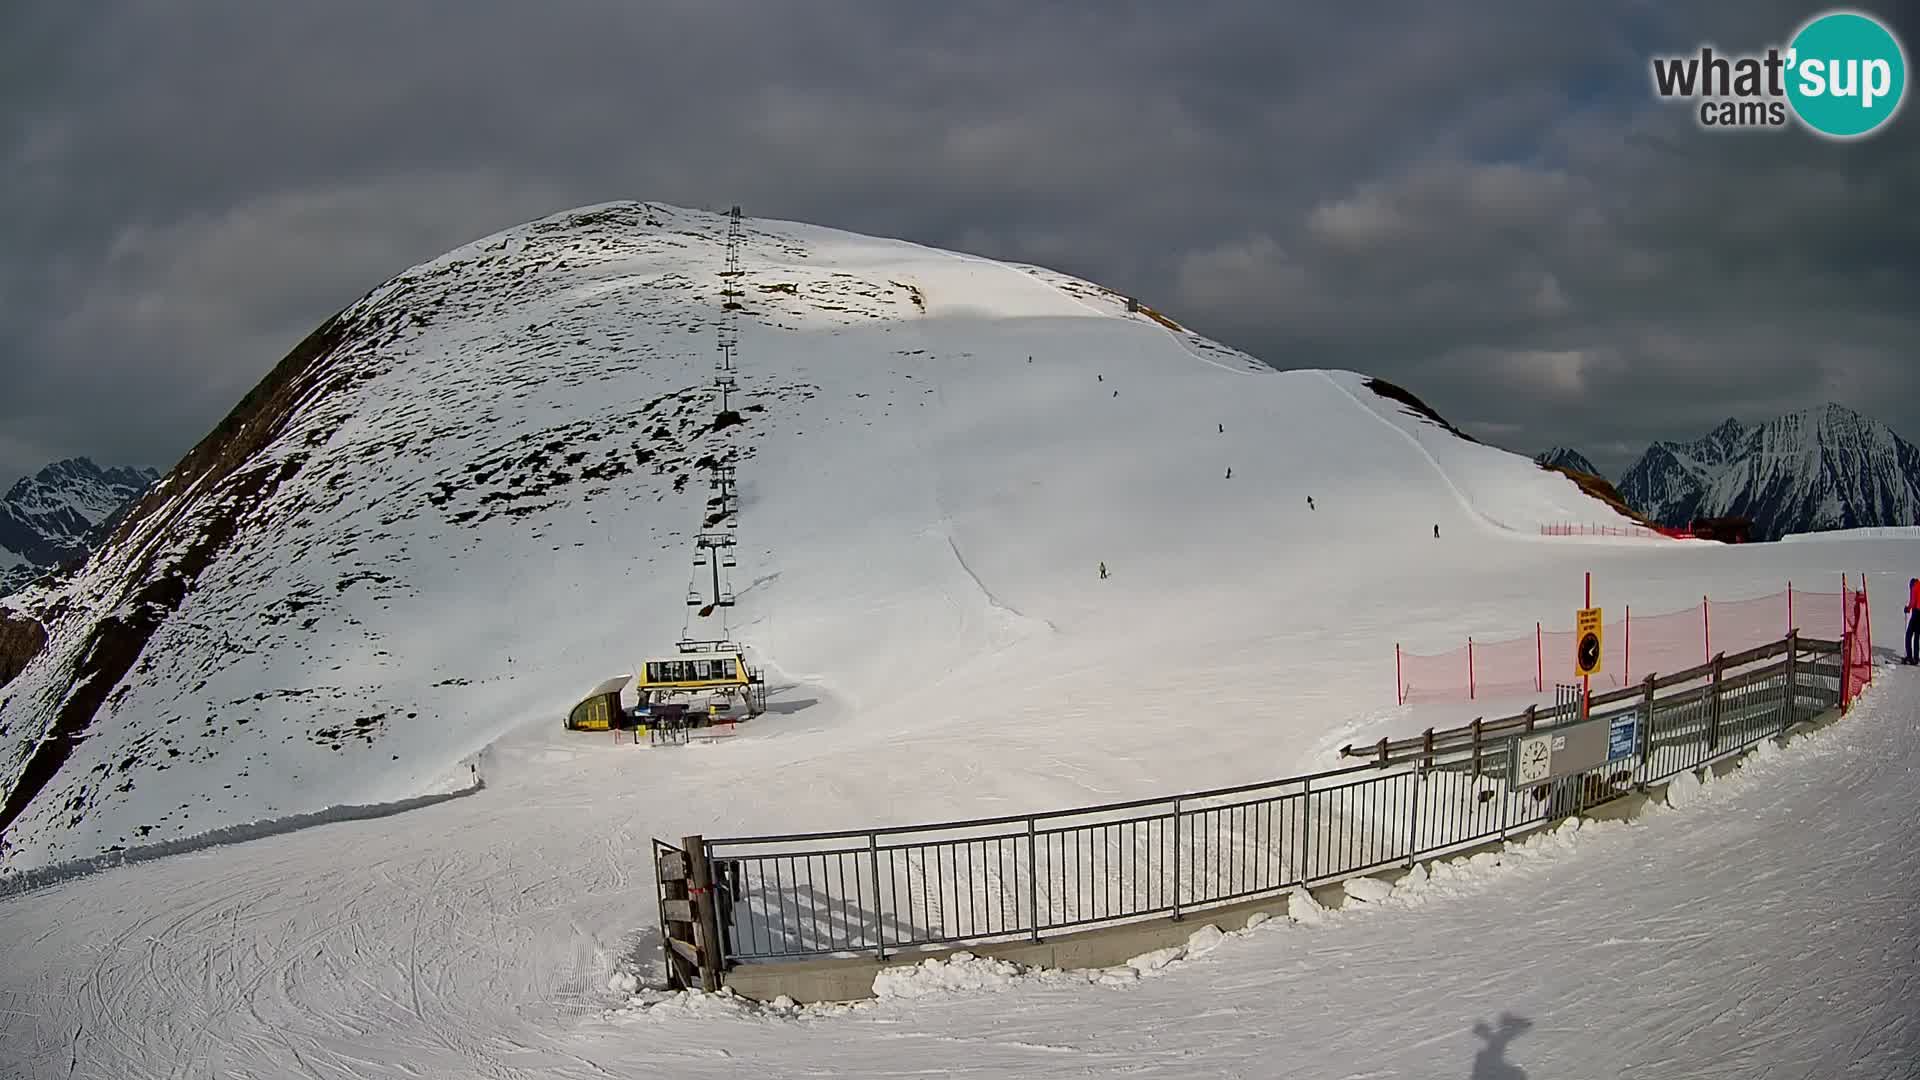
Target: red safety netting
[[1641, 531], [1857, 664], [1632, 647]]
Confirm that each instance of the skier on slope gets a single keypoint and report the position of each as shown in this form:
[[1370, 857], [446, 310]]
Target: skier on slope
[[1436, 532], [1103, 571], [1310, 505], [1913, 621]]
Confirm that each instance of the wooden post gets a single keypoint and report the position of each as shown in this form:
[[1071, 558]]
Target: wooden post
[[1706, 628], [705, 913], [1846, 647], [1383, 751], [1846, 660], [1530, 717], [1426, 748], [1713, 709], [1793, 684], [676, 916], [1476, 748]]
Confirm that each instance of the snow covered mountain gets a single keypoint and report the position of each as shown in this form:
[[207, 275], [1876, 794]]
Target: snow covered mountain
[[1825, 468], [1562, 458], [59, 513], [472, 494]]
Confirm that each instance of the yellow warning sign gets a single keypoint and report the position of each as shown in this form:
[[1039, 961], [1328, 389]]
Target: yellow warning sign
[[1586, 638]]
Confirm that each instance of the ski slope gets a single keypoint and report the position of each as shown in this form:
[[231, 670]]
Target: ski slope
[[947, 449], [482, 499]]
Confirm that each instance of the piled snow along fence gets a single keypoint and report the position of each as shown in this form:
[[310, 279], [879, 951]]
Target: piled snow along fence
[[884, 893]]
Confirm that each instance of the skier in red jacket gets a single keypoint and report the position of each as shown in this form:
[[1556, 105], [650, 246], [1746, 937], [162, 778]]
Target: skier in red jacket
[[1913, 620]]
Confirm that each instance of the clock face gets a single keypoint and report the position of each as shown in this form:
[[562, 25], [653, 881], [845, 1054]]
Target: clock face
[[1589, 655], [1534, 760]]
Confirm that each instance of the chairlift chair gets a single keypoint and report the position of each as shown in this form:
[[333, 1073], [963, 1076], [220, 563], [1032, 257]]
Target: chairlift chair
[[726, 599], [727, 559], [694, 599], [699, 556]]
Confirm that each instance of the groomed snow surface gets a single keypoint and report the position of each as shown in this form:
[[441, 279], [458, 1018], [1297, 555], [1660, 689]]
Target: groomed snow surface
[[923, 512]]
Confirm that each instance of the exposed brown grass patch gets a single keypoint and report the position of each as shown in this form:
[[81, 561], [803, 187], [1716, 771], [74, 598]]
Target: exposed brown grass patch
[[1599, 488]]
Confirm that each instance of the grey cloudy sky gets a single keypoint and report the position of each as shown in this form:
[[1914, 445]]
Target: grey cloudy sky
[[1482, 201]]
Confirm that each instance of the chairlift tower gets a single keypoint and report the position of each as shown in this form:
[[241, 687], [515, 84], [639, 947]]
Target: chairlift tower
[[713, 550]]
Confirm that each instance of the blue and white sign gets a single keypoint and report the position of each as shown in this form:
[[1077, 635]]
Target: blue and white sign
[[1620, 736]]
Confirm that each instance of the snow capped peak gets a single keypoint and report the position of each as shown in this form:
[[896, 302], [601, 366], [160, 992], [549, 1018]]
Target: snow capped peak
[[1563, 458], [58, 513], [1826, 467]]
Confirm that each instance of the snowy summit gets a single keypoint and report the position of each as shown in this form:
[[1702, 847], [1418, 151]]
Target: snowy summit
[[472, 494]]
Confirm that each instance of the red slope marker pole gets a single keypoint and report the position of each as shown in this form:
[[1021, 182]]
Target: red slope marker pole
[[1399, 686], [1586, 681], [1539, 661], [1470, 686], [1626, 669]]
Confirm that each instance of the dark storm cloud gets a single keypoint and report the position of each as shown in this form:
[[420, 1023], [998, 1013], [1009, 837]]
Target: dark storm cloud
[[1487, 207]]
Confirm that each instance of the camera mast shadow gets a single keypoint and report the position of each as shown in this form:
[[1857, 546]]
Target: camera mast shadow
[[1491, 1063]]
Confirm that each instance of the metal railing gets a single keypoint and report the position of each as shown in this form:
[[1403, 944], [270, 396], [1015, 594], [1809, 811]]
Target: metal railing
[[881, 892]]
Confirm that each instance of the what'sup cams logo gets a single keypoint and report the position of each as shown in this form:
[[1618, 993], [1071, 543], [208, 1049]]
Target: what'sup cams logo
[[1843, 75]]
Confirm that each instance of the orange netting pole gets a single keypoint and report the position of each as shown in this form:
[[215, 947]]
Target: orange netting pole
[[1399, 683], [1866, 621], [1469, 669]]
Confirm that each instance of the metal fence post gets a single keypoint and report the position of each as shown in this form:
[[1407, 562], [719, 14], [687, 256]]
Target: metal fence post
[[1713, 708], [1176, 860], [1033, 878], [1506, 785], [1646, 732], [1413, 814], [1792, 704], [1306, 830], [879, 920]]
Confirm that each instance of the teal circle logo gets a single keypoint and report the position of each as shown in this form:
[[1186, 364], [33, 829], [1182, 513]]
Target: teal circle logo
[[1846, 74]]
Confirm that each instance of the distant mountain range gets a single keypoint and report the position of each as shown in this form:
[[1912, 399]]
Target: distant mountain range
[[60, 513], [1822, 468], [1562, 458]]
